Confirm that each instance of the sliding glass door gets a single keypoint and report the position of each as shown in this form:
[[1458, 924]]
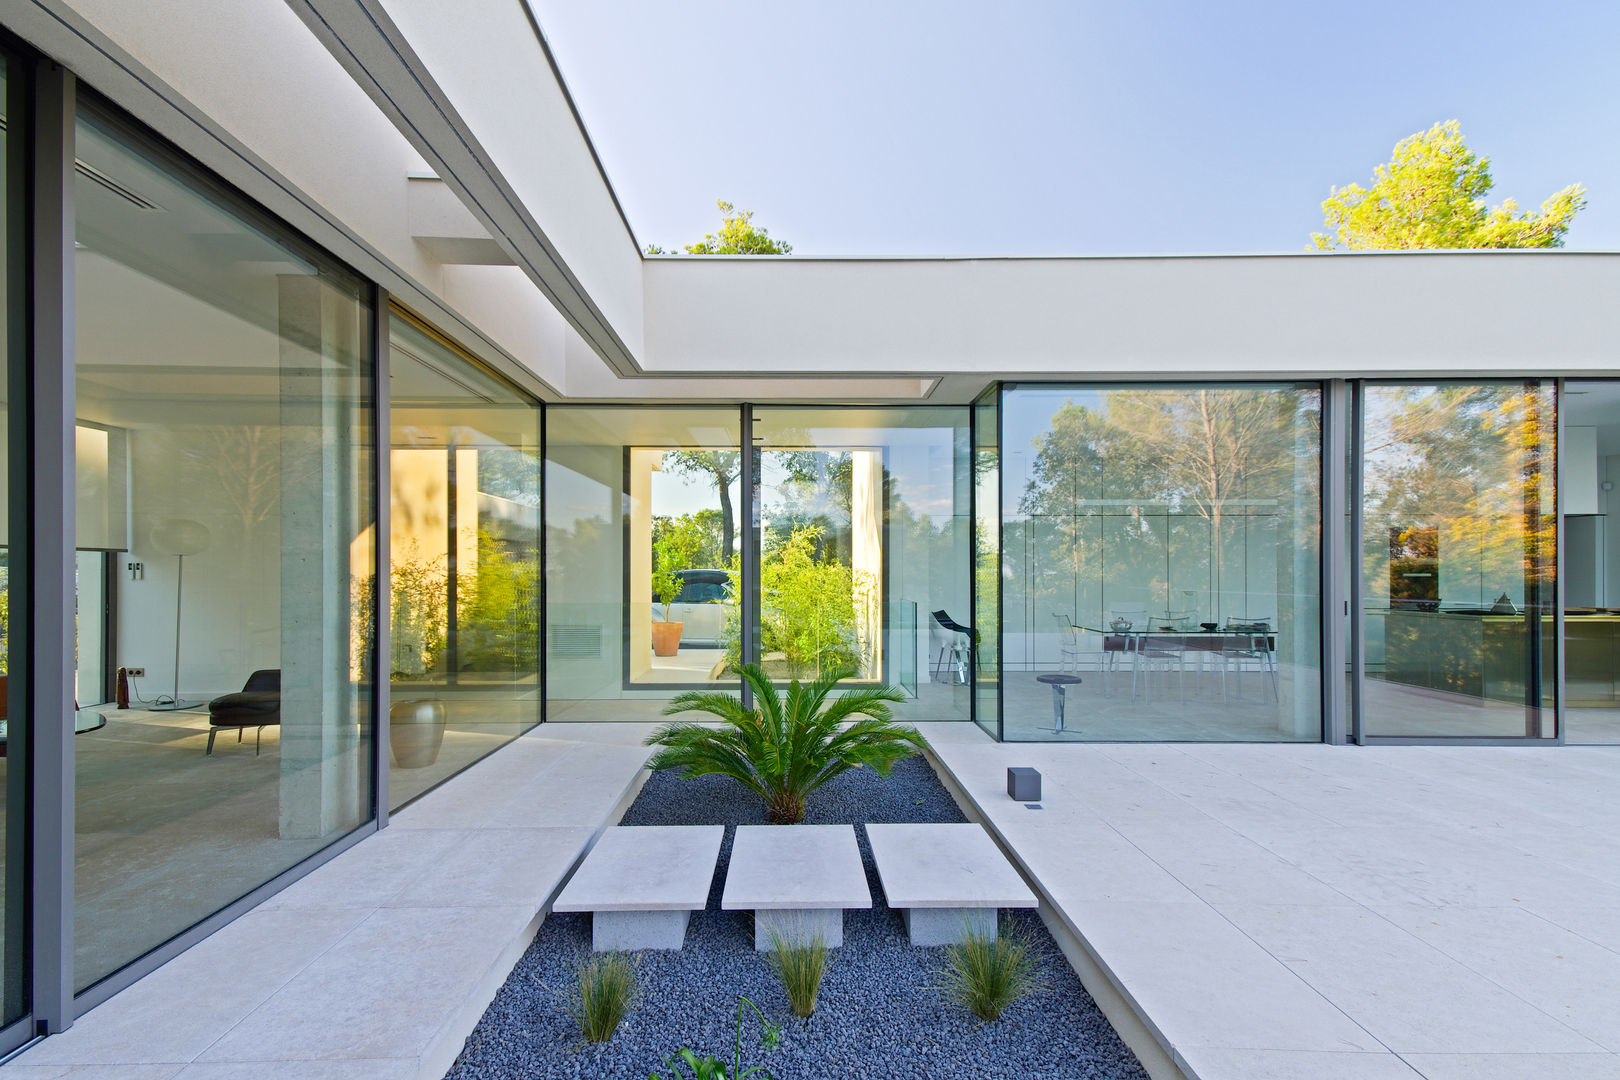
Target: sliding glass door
[[1458, 560]]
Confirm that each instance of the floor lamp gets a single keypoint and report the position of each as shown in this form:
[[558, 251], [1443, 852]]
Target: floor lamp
[[179, 537]]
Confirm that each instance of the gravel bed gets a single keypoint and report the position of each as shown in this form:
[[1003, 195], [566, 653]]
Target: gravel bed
[[879, 1013]]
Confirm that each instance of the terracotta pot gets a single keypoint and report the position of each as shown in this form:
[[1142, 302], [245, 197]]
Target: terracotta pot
[[666, 638], [415, 733]]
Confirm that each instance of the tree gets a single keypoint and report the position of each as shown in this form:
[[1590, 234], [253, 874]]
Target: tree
[[738, 236], [1431, 194], [723, 467]]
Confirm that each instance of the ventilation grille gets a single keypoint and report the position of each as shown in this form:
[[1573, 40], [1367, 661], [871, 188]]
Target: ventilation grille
[[575, 642]]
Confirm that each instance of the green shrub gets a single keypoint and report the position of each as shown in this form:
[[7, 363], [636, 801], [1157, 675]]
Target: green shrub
[[800, 966], [787, 745], [986, 974], [607, 987]]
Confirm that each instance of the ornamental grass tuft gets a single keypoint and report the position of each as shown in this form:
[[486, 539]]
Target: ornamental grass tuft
[[986, 974], [606, 990], [800, 965]]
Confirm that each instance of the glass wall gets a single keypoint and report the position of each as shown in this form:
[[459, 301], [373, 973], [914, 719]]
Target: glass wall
[[1589, 457], [464, 557], [642, 558], [864, 542], [225, 446], [985, 632], [13, 788], [1459, 559], [1162, 545]]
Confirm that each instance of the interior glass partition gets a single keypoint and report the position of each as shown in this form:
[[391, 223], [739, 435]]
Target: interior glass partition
[[642, 557], [1160, 568], [225, 442], [1459, 560], [864, 541], [464, 553]]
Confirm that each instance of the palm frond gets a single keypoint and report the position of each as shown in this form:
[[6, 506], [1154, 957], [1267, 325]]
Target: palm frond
[[790, 743]]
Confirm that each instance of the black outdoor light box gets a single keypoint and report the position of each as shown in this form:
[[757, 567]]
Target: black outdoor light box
[[1024, 785]]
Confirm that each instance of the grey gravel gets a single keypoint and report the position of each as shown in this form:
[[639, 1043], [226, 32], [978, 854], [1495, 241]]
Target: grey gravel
[[879, 1014]]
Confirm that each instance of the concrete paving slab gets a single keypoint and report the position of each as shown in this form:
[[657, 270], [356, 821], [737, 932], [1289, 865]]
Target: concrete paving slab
[[646, 868], [376, 965], [1360, 896], [795, 867]]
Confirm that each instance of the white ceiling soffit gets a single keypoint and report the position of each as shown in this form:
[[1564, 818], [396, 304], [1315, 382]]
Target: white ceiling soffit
[[360, 34]]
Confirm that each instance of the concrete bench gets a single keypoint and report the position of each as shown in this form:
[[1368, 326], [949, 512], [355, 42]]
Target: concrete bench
[[797, 880], [948, 880], [641, 884]]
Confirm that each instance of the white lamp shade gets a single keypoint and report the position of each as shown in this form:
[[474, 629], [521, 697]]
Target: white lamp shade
[[180, 536]]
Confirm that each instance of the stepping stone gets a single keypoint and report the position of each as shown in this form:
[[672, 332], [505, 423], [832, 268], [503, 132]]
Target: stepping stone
[[948, 880], [641, 884], [797, 880]]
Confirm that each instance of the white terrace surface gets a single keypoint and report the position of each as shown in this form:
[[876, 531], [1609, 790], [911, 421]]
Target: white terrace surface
[[376, 965], [1267, 912], [1333, 913]]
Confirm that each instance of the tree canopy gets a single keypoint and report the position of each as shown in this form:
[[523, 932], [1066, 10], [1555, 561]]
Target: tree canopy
[[1431, 194], [738, 236]]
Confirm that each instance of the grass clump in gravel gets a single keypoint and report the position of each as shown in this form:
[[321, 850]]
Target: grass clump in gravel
[[606, 990], [800, 965], [985, 974]]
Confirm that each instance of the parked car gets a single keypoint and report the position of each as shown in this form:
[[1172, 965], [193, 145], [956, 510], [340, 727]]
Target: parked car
[[701, 606]]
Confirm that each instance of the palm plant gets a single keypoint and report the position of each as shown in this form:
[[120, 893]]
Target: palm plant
[[788, 745]]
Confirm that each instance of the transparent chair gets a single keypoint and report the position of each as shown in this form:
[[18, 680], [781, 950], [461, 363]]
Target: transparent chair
[[1068, 643], [1247, 646]]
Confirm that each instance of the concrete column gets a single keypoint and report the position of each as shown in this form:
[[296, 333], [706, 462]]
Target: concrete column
[[866, 556], [322, 785]]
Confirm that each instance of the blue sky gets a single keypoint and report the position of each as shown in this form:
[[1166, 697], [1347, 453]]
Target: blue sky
[[1054, 128]]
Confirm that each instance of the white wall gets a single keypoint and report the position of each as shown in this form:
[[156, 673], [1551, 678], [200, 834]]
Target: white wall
[[1371, 314]]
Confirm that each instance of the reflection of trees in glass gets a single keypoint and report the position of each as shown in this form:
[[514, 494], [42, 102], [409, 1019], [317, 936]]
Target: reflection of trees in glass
[[497, 611], [1150, 458], [1473, 464], [722, 467]]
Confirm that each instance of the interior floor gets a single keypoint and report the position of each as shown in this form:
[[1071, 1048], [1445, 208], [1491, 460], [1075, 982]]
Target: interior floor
[[166, 833]]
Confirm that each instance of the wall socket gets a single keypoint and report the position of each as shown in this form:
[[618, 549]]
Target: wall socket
[[135, 672]]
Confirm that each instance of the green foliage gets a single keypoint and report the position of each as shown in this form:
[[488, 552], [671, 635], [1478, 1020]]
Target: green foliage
[[419, 616], [606, 990], [713, 1068], [809, 603], [986, 974], [498, 609], [709, 552], [678, 546], [738, 236], [1431, 194], [786, 746], [800, 966]]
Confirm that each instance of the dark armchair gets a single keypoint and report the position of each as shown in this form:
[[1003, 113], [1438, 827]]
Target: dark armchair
[[257, 706]]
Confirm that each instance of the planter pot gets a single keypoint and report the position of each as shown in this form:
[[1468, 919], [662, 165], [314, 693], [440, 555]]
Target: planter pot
[[666, 638], [415, 733]]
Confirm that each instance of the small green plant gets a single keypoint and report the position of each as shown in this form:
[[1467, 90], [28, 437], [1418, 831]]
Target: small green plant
[[800, 965], [789, 744], [607, 987], [713, 1068], [985, 974]]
